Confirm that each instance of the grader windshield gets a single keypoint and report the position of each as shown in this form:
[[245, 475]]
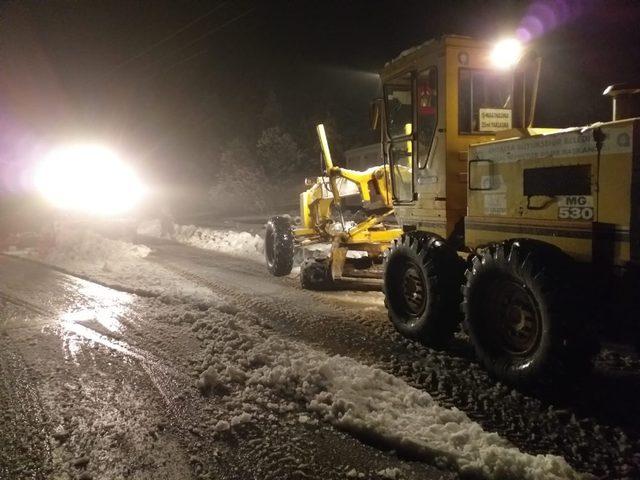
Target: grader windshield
[[485, 101]]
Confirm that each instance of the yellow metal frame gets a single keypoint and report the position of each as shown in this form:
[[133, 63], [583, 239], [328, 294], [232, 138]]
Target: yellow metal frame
[[370, 235]]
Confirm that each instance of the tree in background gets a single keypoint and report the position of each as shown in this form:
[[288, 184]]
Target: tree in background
[[272, 113], [279, 154], [264, 169], [240, 184]]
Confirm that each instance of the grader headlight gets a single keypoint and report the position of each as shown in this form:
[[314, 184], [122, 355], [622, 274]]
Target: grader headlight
[[89, 179], [506, 53]]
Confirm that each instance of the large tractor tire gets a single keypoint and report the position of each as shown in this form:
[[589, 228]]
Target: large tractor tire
[[422, 280], [523, 314], [316, 275], [278, 246]]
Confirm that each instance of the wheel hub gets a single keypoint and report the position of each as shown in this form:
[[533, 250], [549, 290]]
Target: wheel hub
[[413, 289], [518, 320]]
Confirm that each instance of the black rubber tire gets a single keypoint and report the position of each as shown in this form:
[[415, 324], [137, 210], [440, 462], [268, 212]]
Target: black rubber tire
[[315, 275], [531, 286], [422, 280], [278, 246]]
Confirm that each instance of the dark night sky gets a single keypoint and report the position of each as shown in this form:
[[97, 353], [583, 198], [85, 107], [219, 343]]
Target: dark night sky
[[76, 69]]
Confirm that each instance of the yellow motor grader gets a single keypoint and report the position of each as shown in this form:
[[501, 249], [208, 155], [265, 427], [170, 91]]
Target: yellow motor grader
[[530, 236], [322, 222]]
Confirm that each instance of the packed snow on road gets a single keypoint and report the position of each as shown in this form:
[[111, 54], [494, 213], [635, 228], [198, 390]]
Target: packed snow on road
[[216, 373]]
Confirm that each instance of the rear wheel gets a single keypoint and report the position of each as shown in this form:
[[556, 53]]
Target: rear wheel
[[278, 246], [523, 315], [422, 280]]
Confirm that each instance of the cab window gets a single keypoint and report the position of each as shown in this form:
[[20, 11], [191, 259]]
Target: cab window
[[399, 104], [485, 101], [399, 107], [427, 106]]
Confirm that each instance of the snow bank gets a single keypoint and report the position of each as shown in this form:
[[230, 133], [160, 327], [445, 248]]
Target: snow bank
[[77, 244], [242, 244], [151, 228], [246, 364], [113, 262], [226, 241]]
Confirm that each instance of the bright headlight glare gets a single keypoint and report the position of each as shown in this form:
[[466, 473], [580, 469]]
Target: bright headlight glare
[[506, 53], [89, 179]]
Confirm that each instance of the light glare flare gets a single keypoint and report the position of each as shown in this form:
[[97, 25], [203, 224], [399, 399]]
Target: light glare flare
[[506, 53], [88, 179]]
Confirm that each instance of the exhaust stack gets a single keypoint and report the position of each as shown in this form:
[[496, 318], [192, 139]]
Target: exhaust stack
[[626, 100]]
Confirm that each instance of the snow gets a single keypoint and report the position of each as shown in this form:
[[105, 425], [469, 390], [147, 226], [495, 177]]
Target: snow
[[82, 245], [242, 244], [255, 373], [409, 51], [257, 367], [116, 263], [150, 228], [226, 241], [222, 426], [390, 473]]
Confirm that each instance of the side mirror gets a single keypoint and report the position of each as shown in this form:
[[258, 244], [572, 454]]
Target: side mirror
[[375, 113]]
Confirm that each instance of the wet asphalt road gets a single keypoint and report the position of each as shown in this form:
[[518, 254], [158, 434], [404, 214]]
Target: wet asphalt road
[[91, 387]]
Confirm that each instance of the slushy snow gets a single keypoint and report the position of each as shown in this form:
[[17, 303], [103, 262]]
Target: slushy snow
[[251, 369], [247, 364]]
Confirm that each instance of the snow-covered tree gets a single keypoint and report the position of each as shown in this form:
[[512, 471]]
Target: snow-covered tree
[[279, 154], [240, 183], [272, 113]]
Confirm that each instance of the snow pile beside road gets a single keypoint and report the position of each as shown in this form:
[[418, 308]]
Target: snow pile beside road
[[77, 244], [245, 364], [121, 265], [243, 244], [226, 241], [151, 228]]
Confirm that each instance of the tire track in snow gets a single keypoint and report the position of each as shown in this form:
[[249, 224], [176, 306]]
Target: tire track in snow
[[283, 448], [454, 380], [256, 305], [24, 304], [163, 377], [25, 451]]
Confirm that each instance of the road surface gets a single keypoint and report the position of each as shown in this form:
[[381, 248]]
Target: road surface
[[101, 383]]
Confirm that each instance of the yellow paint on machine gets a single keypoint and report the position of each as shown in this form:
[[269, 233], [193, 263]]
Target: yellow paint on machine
[[501, 204], [575, 240]]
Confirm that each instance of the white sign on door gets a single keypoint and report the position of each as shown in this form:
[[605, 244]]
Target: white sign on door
[[494, 119]]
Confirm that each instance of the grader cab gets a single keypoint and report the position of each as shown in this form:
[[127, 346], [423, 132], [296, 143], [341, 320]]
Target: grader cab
[[529, 236]]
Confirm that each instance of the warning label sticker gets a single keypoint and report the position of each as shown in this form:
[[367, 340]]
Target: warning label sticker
[[494, 119]]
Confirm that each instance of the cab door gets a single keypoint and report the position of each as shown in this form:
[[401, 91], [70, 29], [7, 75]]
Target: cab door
[[399, 100], [412, 117]]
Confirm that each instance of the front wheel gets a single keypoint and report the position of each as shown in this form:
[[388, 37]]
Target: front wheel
[[422, 279], [278, 246], [522, 313], [315, 274]]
